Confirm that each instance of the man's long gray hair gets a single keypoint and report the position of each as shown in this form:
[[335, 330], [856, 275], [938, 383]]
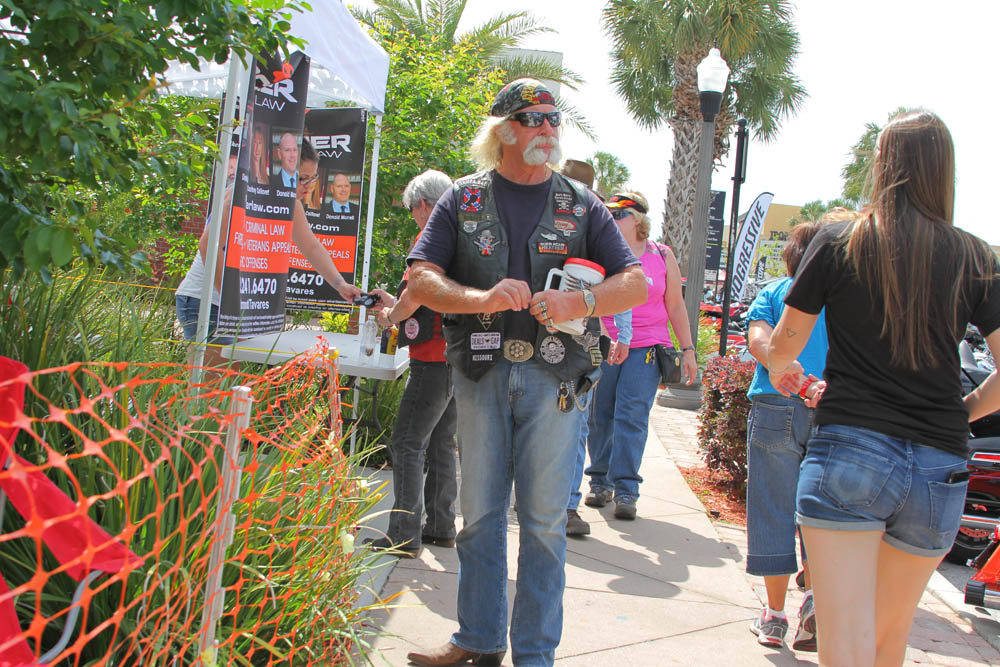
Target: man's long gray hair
[[486, 149]]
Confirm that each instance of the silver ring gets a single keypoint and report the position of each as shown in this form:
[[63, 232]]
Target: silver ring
[[550, 322]]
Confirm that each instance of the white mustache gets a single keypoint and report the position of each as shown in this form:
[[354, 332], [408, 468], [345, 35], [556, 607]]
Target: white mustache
[[535, 154]]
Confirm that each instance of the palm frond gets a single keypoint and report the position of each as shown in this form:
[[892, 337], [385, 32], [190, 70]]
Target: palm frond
[[517, 67], [575, 118]]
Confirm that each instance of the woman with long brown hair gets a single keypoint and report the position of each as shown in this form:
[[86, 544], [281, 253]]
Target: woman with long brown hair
[[882, 484], [258, 156]]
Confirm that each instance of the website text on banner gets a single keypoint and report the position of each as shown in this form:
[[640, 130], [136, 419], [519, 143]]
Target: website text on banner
[[333, 205], [259, 240]]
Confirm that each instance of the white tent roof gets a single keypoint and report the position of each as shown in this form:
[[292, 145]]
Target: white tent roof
[[347, 64]]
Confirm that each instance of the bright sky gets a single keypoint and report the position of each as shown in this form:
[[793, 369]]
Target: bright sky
[[859, 60]]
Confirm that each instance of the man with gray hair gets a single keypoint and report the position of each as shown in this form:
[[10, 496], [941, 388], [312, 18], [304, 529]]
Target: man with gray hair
[[521, 385], [425, 424]]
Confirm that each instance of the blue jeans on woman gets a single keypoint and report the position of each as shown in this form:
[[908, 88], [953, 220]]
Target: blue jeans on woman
[[777, 432], [621, 422], [425, 429], [511, 429]]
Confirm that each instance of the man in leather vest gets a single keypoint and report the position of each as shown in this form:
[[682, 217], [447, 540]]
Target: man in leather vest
[[425, 424], [520, 384]]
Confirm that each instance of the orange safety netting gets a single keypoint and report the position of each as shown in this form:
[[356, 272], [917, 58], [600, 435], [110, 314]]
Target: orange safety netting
[[113, 474]]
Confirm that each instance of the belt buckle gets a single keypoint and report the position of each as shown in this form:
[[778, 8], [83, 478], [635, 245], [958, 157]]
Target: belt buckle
[[518, 350]]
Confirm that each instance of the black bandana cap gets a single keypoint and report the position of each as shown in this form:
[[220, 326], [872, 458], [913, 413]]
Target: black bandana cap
[[518, 94]]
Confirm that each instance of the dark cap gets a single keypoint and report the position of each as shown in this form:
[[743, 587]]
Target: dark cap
[[518, 94]]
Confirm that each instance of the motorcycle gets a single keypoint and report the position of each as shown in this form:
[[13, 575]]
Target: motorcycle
[[981, 515]]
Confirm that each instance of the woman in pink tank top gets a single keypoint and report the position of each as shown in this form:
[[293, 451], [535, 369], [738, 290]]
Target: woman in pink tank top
[[625, 394]]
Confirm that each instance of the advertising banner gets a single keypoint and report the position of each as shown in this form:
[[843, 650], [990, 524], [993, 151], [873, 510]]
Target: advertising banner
[[716, 222], [259, 238], [746, 243], [332, 202]]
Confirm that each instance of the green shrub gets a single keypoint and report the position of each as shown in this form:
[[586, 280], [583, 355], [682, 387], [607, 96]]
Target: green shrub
[[722, 419]]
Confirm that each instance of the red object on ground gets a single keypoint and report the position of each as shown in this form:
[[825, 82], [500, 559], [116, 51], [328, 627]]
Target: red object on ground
[[70, 534]]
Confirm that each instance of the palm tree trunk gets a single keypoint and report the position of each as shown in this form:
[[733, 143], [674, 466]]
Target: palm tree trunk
[[678, 214]]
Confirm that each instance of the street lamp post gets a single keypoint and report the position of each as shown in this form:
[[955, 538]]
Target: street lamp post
[[713, 73], [738, 178]]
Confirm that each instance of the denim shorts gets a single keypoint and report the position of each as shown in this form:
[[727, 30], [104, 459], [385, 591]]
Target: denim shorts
[[187, 315], [777, 431], [853, 478]]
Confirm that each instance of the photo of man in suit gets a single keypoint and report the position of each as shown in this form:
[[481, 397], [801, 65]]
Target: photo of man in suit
[[288, 154], [340, 190]]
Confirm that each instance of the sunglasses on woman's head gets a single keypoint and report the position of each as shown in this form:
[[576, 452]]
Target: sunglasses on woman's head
[[619, 213], [308, 179], [536, 118]]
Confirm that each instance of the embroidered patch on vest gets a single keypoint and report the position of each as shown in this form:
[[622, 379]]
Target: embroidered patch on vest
[[553, 247], [485, 341], [486, 243], [563, 203], [549, 237], [412, 328], [487, 319], [579, 210], [567, 227], [552, 350], [472, 200], [469, 226]]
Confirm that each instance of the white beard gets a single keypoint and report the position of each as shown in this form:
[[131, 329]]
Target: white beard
[[537, 156]]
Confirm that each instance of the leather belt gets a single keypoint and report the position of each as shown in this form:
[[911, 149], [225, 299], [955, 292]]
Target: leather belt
[[518, 350]]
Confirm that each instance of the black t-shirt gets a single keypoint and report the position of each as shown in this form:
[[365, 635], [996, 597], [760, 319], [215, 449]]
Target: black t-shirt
[[864, 388], [520, 207]]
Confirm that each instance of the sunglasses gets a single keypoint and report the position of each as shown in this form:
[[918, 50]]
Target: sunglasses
[[619, 213], [308, 179], [536, 118]]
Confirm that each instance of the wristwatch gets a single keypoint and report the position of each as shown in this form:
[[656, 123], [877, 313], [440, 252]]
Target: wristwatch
[[588, 298]]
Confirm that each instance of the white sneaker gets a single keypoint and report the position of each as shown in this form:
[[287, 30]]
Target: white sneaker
[[770, 632]]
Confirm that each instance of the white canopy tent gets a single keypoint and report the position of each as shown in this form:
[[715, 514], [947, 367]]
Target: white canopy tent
[[346, 65]]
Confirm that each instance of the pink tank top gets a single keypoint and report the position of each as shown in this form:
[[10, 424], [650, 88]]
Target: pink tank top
[[650, 320]]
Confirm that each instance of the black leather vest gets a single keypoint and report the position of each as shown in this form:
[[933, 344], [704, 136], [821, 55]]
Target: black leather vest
[[476, 342], [418, 327]]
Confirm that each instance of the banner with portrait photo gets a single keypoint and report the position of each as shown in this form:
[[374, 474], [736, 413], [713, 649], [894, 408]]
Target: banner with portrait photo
[[259, 239], [332, 202]]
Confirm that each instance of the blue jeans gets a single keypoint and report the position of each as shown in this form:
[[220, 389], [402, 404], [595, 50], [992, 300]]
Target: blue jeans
[[777, 431], [510, 429], [425, 428], [581, 454], [187, 314], [621, 422], [854, 478]]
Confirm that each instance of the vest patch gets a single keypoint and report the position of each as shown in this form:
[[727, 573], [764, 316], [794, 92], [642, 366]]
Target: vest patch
[[472, 200], [482, 357], [567, 227], [412, 328], [469, 226], [563, 203], [485, 341], [486, 243], [487, 319], [553, 247], [552, 350], [579, 210]]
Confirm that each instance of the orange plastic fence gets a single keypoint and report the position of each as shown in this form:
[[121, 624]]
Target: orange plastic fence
[[114, 471]]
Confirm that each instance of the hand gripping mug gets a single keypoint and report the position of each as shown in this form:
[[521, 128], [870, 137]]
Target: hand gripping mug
[[576, 275]]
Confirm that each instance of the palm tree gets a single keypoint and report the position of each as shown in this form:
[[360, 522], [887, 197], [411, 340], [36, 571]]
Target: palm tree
[[437, 22], [855, 172], [814, 211], [656, 48], [609, 173]]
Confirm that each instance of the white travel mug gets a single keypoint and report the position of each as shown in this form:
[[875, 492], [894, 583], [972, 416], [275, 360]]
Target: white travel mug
[[576, 275]]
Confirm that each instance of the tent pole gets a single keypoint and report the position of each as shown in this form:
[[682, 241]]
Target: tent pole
[[371, 208], [236, 72]]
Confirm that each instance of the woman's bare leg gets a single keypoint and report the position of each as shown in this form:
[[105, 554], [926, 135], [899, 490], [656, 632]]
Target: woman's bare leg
[[902, 578], [843, 566]]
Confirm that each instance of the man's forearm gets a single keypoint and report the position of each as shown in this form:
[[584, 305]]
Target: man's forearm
[[431, 288], [618, 293]]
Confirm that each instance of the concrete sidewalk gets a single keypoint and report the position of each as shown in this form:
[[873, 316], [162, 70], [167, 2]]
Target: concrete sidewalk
[[666, 589]]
